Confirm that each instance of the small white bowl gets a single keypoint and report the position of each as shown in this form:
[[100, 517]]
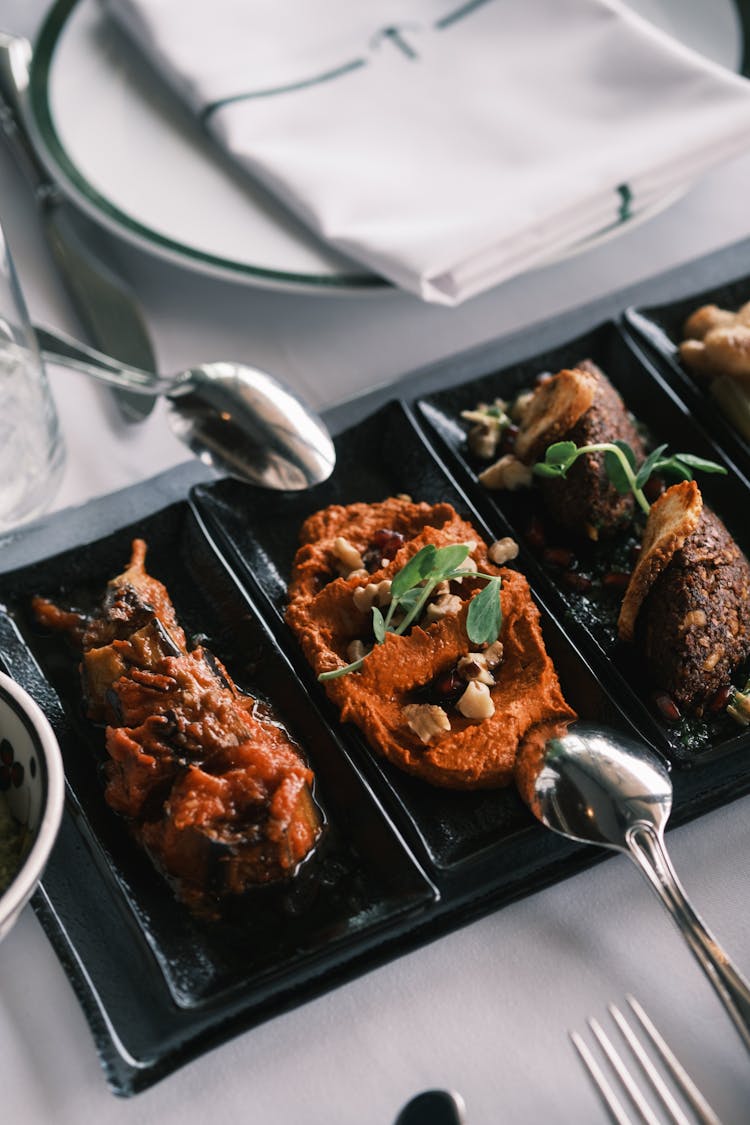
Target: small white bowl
[[32, 781]]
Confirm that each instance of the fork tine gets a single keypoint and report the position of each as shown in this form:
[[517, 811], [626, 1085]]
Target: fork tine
[[656, 1080], [635, 1095], [609, 1097], [704, 1114], [700, 1106]]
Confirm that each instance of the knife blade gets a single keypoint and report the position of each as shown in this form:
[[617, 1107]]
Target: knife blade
[[104, 305]]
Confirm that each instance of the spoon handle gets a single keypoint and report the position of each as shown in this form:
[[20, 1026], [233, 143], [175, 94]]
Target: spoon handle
[[649, 852], [60, 348]]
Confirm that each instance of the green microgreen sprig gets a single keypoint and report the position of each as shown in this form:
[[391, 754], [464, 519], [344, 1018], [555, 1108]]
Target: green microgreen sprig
[[413, 586], [621, 467]]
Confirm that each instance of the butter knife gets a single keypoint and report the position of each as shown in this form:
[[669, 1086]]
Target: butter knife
[[103, 304]]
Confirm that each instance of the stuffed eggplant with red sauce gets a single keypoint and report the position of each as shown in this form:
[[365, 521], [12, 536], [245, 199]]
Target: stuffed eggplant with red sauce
[[212, 788]]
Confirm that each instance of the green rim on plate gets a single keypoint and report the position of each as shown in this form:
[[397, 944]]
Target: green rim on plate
[[87, 194]]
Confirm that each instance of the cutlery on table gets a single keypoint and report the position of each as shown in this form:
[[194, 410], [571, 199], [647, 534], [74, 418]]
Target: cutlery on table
[[601, 787], [238, 418], [105, 307], [662, 1093], [433, 1107]]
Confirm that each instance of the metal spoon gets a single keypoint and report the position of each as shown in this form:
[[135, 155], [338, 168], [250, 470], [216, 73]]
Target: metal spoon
[[601, 787], [235, 417]]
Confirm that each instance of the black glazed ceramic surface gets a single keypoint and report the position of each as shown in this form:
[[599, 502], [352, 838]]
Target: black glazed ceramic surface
[[578, 592], [402, 862], [659, 329]]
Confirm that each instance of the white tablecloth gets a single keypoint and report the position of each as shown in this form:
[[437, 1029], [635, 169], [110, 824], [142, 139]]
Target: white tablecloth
[[485, 1010]]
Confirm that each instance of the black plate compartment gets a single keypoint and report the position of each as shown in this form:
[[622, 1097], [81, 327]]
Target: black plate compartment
[[105, 905], [590, 615], [471, 841]]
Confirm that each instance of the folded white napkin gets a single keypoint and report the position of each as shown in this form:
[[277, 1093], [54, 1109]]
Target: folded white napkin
[[448, 145]]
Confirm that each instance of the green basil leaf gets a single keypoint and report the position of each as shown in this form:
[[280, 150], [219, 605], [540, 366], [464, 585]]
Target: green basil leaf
[[561, 453], [408, 600], [343, 671], [447, 559], [627, 450], [614, 468], [417, 568], [541, 469], [699, 463], [649, 465], [674, 468], [378, 625], [484, 619]]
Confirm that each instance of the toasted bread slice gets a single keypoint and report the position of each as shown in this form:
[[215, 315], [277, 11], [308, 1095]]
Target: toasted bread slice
[[554, 410], [673, 517]]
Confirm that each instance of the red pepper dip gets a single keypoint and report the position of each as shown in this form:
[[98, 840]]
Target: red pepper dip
[[451, 712]]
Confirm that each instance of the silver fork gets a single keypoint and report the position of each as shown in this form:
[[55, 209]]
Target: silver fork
[[661, 1091]]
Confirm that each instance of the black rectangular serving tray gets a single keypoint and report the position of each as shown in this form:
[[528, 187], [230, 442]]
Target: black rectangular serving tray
[[403, 862]]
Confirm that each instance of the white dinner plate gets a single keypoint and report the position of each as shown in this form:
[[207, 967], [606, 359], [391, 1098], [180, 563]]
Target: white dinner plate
[[138, 163]]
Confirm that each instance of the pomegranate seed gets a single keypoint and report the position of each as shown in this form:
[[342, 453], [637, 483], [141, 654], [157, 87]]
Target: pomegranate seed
[[616, 580], [667, 706], [446, 688], [388, 542], [578, 582], [385, 544], [719, 699], [448, 683], [535, 533], [559, 556]]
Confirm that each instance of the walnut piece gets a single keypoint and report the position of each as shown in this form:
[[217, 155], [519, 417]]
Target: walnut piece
[[348, 556], [476, 702], [503, 550], [376, 593], [474, 668], [445, 605], [493, 654], [427, 720]]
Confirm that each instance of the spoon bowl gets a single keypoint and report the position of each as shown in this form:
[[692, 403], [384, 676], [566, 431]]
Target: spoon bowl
[[237, 418], [601, 787], [246, 423], [596, 787]]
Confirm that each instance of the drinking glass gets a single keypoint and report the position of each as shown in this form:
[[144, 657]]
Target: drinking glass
[[31, 447]]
